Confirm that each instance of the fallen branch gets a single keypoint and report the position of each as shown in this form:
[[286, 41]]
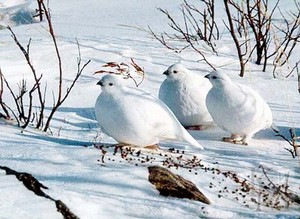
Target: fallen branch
[[32, 184]]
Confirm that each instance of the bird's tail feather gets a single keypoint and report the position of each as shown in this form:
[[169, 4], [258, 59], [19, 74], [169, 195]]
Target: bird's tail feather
[[189, 139]]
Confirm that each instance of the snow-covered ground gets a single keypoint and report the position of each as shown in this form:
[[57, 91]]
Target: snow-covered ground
[[67, 163]]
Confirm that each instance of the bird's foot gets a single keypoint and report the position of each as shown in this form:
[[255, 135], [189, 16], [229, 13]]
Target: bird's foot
[[235, 139], [124, 146], [130, 146], [196, 127], [152, 147], [232, 140], [121, 145]]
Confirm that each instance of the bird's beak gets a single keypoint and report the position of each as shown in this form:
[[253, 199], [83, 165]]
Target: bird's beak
[[100, 83], [207, 76], [166, 72]]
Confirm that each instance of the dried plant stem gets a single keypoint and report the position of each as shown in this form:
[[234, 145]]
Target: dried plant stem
[[238, 45], [36, 78], [61, 96], [3, 105], [285, 193], [199, 26]]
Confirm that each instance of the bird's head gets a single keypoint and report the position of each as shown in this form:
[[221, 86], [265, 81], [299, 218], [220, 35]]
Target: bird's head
[[109, 83], [176, 72], [218, 79]]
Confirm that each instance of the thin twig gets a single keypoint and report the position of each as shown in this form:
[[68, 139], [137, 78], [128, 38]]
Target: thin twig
[[3, 105], [289, 194], [63, 98], [36, 78]]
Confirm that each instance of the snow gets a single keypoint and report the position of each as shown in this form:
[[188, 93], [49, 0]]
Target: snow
[[67, 163]]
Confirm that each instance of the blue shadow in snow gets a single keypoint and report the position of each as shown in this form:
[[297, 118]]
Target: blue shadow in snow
[[62, 141]]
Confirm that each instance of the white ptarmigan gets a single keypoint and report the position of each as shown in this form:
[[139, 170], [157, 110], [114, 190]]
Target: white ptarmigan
[[236, 108], [184, 92], [134, 117]]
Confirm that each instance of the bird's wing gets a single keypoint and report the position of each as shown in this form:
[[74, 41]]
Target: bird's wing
[[258, 107], [167, 92], [151, 113]]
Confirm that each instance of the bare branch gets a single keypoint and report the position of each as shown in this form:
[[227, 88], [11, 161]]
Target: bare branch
[[193, 30], [234, 37], [51, 31], [63, 98], [292, 142], [36, 78], [3, 105], [30, 103]]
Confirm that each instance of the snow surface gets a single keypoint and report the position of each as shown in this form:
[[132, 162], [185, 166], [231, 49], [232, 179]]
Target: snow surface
[[67, 163]]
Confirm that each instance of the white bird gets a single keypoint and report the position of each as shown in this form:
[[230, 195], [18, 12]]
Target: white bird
[[184, 92], [236, 108], [134, 117]]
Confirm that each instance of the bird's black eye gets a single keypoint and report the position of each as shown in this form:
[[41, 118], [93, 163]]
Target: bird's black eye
[[110, 84], [214, 77], [175, 72]]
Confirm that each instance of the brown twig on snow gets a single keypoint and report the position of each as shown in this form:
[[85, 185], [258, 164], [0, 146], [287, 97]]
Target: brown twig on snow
[[124, 70], [283, 190]]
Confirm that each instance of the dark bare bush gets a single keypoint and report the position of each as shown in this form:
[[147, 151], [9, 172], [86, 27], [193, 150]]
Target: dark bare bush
[[198, 26], [287, 39], [25, 114], [252, 27], [256, 16], [293, 141], [265, 33], [4, 107], [237, 25]]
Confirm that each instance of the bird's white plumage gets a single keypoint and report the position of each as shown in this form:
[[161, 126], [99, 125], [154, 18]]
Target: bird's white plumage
[[184, 92], [237, 108], [132, 116]]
